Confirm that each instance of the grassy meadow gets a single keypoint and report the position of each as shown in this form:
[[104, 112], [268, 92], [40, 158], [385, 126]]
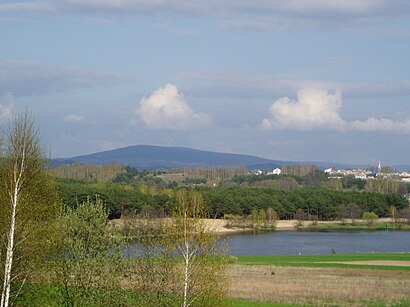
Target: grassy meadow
[[333, 260], [308, 280], [323, 280]]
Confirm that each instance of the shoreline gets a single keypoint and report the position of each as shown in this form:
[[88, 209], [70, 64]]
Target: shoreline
[[219, 226]]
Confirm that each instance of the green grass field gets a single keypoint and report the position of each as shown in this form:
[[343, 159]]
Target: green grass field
[[327, 260]]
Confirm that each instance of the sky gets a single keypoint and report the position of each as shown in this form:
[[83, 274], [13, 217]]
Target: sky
[[296, 80]]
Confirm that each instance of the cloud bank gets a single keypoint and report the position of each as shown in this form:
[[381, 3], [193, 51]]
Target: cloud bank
[[6, 107], [30, 78], [167, 109], [258, 14], [320, 109], [208, 83]]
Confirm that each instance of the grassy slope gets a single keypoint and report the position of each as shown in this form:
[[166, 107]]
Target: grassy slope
[[326, 260]]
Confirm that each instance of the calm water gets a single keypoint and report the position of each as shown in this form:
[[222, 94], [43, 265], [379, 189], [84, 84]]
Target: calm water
[[293, 243]]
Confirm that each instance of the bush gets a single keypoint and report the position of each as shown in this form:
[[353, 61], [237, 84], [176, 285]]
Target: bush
[[370, 218]]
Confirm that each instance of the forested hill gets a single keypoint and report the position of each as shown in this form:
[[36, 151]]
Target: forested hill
[[159, 157]]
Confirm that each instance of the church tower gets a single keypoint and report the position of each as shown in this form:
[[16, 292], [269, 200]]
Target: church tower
[[379, 168]]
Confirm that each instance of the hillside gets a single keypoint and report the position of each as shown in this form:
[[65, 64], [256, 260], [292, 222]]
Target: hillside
[[159, 157]]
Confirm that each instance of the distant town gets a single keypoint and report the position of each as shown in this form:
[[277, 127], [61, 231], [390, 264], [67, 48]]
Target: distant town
[[360, 173]]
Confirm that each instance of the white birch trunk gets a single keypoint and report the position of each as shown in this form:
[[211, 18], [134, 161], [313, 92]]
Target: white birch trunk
[[186, 256], [186, 275], [17, 181]]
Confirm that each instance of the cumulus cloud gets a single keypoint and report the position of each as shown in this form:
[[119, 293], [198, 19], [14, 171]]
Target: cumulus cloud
[[30, 78], [320, 109], [168, 109], [73, 118], [6, 107], [314, 108]]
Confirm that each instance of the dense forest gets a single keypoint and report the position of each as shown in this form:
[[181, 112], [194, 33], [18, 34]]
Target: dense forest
[[304, 190]]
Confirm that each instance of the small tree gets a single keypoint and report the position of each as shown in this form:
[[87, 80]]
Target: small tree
[[254, 217], [87, 267], [262, 218], [300, 215], [393, 213], [351, 211], [272, 216], [370, 218], [203, 273], [158, 272]]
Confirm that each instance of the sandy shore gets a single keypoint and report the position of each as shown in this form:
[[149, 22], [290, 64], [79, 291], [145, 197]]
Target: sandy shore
[[220, 225]]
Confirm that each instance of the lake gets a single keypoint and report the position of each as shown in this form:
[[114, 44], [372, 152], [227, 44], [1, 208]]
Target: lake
[[308, 243]]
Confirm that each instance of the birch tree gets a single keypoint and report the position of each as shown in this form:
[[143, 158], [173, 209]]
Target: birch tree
[[27, 203], [179, 261], [203, 276]]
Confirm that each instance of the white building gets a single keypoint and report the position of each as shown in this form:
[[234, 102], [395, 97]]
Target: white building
[[328, 171], [277, 171]]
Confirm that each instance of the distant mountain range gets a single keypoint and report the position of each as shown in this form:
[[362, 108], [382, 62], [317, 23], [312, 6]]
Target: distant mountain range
[[160, 157]]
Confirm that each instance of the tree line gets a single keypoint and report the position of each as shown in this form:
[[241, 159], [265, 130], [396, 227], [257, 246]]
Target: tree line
[[321, 203]]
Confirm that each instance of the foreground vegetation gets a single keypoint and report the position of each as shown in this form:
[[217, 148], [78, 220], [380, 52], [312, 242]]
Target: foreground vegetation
[[281, 281], [57, 246]]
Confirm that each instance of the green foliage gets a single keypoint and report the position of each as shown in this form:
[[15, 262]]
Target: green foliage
[[179, 258], [26, 186], [88, 261], [321, 203], [370, 217], [352, 183]]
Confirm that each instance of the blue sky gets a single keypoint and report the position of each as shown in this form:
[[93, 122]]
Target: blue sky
[[301, 80]]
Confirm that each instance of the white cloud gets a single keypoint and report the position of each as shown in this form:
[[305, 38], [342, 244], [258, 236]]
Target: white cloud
[[320, 109], [74, 118], [6, 107], [381, 124], [168, 109], [314, 108]]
